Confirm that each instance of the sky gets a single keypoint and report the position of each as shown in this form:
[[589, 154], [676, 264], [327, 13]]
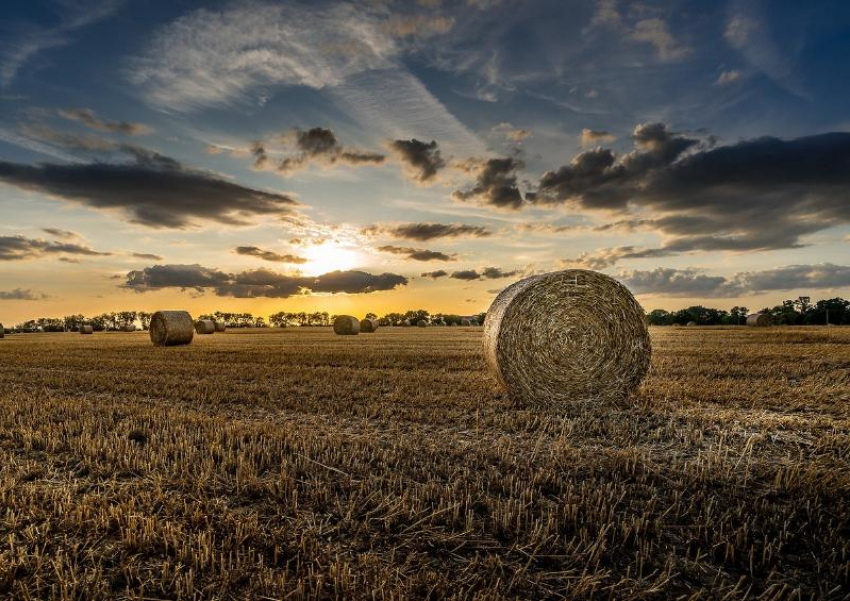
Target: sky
[[262, 156]]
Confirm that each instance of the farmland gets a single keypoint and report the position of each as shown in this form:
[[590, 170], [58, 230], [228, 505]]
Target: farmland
[[298, 464]]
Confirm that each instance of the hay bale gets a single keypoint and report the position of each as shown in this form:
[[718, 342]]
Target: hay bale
[[346, 325], [128, 328], [2, 331], [205, 326], [220, 326], [571, 335], [86, 329], [465, 322], [759, 320], [369, 325], [473, 322], [422, 323], [691, 323], [171, 328], [405, 323]]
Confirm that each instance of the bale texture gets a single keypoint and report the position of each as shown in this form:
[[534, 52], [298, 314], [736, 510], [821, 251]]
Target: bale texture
[[205, 326], [220, 326], [171, 328], [759, 320], [369, 325], [422, 323], [346, 325], [86, 330], [571, 335]]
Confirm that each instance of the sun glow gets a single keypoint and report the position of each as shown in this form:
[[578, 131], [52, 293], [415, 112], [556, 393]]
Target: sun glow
[[330, 256]]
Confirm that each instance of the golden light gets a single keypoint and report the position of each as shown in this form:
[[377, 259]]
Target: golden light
[[329, 256]]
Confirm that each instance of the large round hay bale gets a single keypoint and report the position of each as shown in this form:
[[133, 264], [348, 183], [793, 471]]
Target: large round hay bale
[[205, 326], [465, 322], [171, 328], [691, 323], [759, 320], [570, 335], [405, 323], [368, 325], [2, 331], [220, 326], [422, 323], [346, 325], [86, 329]]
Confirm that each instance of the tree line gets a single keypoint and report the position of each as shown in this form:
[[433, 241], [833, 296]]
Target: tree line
[[799, 312]]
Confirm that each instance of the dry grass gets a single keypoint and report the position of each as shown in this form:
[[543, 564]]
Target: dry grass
[[299, 464]]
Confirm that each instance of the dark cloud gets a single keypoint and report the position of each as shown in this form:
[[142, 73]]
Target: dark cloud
[[422, 160], [268, 255], [759, 194], [153, 190], [60, 233], [417, 254], [424, 232], [317, 145], [259, 282], [149, 256], [70, 140], [606, 257], [496, 183], [440, 273], [22, 294], [18, 248], [488, 273], [88, 118], [692, 283]]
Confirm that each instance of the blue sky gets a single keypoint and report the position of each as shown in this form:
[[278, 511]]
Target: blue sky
[[240, 154]]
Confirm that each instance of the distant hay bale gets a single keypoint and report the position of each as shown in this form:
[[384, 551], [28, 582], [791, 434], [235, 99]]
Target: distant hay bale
[[570, 335], [465, 322], [759, 320], [368, 325], [422, 323], [473, 322], [205, 326], [2, 331], [171, 328], [86, 330], [346, 325], [405, 323], [220, 326], [128, 328], [691, 323]]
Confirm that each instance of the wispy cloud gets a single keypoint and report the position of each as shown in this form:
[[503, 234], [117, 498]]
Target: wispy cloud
[[22, 294]]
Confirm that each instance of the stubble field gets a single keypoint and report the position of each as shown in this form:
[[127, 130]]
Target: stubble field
[[296, 464]]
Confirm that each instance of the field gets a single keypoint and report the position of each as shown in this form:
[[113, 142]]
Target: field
[[295, 464]]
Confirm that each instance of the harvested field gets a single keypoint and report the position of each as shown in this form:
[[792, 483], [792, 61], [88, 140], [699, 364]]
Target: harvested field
[[293, 463]]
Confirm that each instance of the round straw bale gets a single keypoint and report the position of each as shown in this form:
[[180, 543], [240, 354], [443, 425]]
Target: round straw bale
[[171, 328], [2, 331], [220, 326], [473, 322], [405, 323], [570, 335], [128, 328], [369, 325], [465, 322], [346, 325], [422, 323], [87, 329], [691, 323], [759, 320], [205, 326]]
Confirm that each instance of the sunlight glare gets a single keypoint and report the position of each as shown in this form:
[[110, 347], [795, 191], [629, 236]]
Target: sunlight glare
[[327, 257]]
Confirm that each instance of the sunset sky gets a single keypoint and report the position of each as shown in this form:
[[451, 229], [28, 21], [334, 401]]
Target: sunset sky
[[380, 156]]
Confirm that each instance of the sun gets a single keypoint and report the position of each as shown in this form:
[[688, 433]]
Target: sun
[[329, 256]]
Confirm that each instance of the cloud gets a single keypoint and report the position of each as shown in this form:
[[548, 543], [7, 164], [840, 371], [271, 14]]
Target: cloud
[[440, 273], [754, 195], [18, 51], [421, 160], [316, 145], [417, 254], [19, 248], [727, 77], [510, 132], [88, 118], [655, 32], [488, 273], [426, 231], [589, 137], [496, 183], [692, 283], [268, 255], [258, 283], [151, 190], [22, 294], [60, 233], [418, 26], [73, 141], [148, 256]]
